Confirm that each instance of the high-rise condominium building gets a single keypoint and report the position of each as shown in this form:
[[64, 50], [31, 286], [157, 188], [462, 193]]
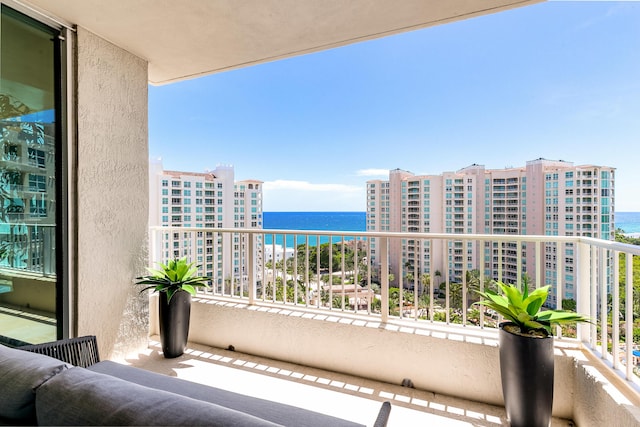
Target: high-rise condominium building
[[203, 200], [544, 197]]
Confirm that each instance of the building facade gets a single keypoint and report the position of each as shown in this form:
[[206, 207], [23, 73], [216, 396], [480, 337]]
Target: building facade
[[207, 200], [544, 197]]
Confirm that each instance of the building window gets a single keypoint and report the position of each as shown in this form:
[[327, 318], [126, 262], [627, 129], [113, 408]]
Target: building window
[[36, 158], [30, 219], [37, 183]]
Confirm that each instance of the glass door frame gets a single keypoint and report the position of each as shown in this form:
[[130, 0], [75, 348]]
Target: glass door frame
[[65, 165]]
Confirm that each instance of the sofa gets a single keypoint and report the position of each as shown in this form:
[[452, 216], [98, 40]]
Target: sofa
[[38, 389]]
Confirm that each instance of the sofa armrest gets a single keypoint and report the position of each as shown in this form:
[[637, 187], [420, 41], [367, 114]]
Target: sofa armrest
[[80, 351], [383, 415]]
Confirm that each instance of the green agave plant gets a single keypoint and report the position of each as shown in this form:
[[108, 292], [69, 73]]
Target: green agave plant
[[523, 308], [175, 275]]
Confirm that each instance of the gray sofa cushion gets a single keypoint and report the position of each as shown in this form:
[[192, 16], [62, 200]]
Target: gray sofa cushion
[[82, 397], [21, 373], [273, 411]]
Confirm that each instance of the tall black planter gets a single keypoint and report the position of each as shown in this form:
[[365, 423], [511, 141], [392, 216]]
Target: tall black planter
[[526, 369], [174, 323]]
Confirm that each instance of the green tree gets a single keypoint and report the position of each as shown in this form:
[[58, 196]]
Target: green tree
[[473, 286], [620, 237], [409, 278], [290, 291], [569, 304], [425, 281]]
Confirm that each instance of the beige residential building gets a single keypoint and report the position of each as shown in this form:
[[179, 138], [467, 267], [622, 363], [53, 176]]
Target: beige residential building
[[203, 200], [544, 197]]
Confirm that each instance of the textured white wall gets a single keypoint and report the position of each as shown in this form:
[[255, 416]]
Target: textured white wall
[[601, 402], [112, 191]]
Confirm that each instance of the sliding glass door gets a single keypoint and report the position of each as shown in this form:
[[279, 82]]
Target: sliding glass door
[[31, 205]]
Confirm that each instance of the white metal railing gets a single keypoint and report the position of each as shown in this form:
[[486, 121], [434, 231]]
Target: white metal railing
[[28, 248], [371, 274]]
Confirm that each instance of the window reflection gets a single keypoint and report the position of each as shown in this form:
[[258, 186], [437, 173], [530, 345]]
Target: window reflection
[[27, 180]]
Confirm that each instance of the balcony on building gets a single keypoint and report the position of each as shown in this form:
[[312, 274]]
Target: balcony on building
[[445, 351], [113, 50]]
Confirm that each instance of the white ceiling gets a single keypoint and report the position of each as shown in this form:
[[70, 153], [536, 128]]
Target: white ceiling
[[183, 39]]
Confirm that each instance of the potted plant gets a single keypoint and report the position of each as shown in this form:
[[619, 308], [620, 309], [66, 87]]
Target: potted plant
[[176, 281], [526, 351]]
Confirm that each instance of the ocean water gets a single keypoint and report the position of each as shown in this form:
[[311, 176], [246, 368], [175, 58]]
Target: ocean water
[[356, 221], [628, 221], [335, 221]]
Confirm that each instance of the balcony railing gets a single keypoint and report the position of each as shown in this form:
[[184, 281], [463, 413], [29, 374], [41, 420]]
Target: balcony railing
[[368, 274], [28, 248]]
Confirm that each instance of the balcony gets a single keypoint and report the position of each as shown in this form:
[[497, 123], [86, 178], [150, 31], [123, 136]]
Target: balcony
[[418, 334], [341, 395]]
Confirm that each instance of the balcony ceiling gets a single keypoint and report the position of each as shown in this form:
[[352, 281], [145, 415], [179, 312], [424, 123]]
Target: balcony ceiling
[[186, 39]]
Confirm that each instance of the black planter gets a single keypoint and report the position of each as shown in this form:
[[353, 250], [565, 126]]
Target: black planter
[[174, 323], [526, 369]]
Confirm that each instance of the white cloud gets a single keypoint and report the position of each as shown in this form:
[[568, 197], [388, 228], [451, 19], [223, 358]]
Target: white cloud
[[372, 172]]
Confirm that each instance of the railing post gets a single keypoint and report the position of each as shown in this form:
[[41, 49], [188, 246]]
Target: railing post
[[559, 288], [583, 291], [539, 272], [384, 286], [602, 277], [594, 298], [628, 311], [251, 268], [615, 310], [153, 246]]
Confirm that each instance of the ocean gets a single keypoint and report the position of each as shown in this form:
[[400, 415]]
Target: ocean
[[335, 221], [629, 222], [356, 221]]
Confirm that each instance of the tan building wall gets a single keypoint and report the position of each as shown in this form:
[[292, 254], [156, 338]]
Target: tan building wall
[[112, 195], [551, 197]]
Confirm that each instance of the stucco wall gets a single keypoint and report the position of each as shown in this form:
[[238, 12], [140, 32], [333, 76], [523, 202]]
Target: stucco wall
[[112, 194], [601, 401]]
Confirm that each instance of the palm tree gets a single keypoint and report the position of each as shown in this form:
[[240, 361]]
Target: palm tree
[[425, 279], [455, 294], [473, 285], [439, 275], [409, 278]]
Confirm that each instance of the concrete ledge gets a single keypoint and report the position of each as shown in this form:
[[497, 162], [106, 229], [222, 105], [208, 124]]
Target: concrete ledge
[[450, 360], [605, 398]]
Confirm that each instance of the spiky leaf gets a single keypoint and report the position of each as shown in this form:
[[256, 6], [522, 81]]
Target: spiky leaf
[[523, 308]]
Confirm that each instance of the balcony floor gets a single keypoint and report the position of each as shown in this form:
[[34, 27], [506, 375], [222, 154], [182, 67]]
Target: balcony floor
[[353, 398]]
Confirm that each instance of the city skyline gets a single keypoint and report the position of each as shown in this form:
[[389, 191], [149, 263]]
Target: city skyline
[[556, 80]]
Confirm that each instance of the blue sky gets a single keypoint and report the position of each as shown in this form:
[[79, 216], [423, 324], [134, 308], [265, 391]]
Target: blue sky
[[559, 80]]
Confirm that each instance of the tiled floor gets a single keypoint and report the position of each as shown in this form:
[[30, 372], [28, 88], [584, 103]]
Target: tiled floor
[[340, 395]]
